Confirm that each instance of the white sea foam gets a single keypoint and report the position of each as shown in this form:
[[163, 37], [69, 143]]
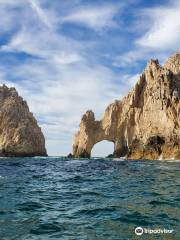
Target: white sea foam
[[169, 160], [121, 159], [173, 160]]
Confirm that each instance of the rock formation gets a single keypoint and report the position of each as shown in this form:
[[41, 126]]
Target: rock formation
[[20, 134], [143, 125]]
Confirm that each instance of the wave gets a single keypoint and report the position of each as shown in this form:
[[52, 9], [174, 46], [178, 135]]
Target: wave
[[121, 159]]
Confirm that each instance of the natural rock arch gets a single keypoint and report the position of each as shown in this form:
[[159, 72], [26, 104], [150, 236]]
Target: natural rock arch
[[143, 125], [91, 132]]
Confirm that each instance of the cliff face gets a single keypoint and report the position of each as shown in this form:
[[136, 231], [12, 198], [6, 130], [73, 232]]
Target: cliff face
[[20, 134], [143, 125]]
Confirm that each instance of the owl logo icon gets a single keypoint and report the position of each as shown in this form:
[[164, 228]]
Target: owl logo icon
[[139, 231]]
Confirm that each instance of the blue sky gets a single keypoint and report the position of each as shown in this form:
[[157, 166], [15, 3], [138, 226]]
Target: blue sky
[[65, 57]]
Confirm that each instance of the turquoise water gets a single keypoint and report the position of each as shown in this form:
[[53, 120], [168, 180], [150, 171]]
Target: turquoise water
[[56, 198]]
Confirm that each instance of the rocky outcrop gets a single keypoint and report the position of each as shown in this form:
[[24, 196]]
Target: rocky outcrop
[[143, 125], [20, 134]]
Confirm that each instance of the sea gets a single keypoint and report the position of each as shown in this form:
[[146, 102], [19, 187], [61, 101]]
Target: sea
[[50, 198]]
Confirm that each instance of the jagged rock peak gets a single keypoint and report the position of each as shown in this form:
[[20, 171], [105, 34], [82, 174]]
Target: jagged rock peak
[[88, 116], [145, 123], [20, 134], [173, 63]]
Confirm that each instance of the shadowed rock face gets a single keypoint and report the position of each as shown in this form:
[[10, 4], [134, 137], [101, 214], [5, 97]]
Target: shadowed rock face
[[145, 123], [20, 134]]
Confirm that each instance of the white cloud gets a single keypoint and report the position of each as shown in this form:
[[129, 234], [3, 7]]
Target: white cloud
[[163, 27], [32, 38], [59, 96], [63, 78], [159, 31], [11, 2], [129, 58], [45, 44], [97, 18], [60, 82], [9, 15], [133, 57], [41, 14]]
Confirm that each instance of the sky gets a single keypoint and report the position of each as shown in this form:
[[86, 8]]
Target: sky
[[66, 57]]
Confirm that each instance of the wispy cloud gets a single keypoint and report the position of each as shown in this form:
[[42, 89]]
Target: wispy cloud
[[10, 15], [62, 75], [58, 96], [157, 35], [94, 17], [40, 13], [164, 27], [45, 44], [58, 82], [132, 58]]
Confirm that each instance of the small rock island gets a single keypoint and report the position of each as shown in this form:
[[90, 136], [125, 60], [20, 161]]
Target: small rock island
[[20, 135], [143, 125]]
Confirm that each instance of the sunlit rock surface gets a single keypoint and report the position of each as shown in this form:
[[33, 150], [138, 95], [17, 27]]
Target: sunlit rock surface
[[143, 125], [20, 134]]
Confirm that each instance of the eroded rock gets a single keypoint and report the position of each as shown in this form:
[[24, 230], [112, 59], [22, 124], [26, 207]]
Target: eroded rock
[[20, 134], [145, 123]]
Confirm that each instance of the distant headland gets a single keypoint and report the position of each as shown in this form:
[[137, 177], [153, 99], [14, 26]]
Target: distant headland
[[143, 125], [20, 135]]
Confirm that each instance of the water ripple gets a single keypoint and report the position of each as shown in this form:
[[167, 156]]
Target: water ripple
[[58, 198]]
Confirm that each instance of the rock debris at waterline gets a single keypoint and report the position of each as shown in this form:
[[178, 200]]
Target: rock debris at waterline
[[20, 134], [143, 125]]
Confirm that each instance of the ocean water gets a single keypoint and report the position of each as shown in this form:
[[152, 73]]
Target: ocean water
[[56, 198]]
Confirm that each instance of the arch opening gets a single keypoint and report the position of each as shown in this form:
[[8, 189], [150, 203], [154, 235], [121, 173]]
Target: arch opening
[[102, 149]]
